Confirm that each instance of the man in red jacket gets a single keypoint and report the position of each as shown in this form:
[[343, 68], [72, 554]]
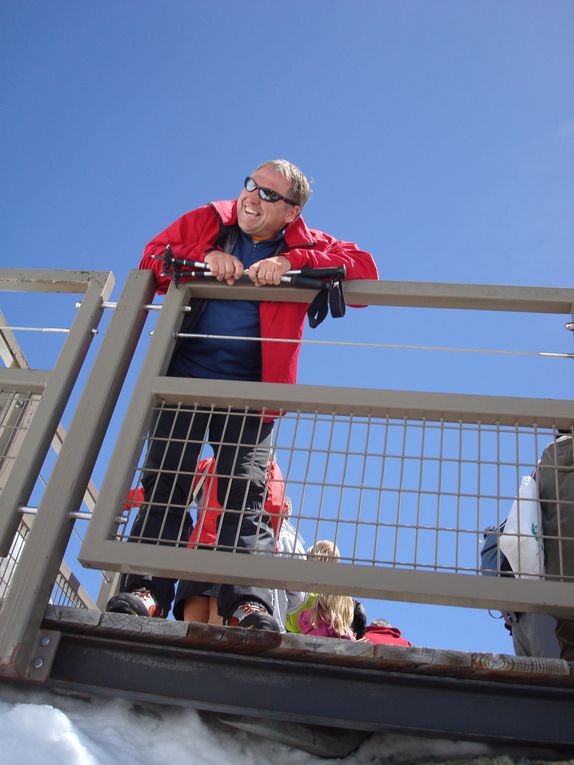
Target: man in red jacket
[[263, 235]]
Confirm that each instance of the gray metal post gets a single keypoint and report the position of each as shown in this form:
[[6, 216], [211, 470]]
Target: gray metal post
[[30, 589], [36, 443], [120, 471]]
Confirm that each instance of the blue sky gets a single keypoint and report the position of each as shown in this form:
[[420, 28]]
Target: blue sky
[[439, 136]]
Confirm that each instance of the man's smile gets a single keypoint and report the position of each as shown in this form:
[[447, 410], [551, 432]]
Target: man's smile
[[251, 211]]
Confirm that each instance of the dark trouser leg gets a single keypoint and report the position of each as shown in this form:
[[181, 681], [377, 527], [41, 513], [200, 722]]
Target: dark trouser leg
[[176, 438], [242, 445]]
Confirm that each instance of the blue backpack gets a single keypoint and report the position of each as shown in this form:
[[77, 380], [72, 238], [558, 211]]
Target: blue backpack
[[492, 561]]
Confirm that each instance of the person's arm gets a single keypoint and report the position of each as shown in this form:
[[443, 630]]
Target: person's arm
[[295, 599], [358, 263], [191, 237], [333, 252]]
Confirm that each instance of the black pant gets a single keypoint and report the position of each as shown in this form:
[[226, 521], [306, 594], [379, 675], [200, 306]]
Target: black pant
[[241, 445]]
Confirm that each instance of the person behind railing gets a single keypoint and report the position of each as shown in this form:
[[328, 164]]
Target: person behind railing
[[532, 634], [289, 545], [323, 614], [197, 601], [263, 235], [555, 478], [381, 632]]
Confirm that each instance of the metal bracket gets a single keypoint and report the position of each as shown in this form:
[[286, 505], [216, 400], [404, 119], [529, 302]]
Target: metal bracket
[[43, 656], [41, 661]]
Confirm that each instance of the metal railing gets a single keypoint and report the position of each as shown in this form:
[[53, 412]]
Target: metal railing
[[54, 387], [35, 576], [17, 410], [404, 482]]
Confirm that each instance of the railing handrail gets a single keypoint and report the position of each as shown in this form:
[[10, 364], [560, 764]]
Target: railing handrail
[[485, 297]]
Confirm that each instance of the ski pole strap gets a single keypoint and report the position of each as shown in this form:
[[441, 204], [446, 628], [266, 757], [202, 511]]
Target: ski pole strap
[[337, 300], [328, 281], [330, 296]]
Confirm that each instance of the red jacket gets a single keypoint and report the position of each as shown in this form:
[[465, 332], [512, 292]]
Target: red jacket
[[194, 234], [205, 531], [385, 635]]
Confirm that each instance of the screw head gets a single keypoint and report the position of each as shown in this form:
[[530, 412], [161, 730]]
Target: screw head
[[38, 663]]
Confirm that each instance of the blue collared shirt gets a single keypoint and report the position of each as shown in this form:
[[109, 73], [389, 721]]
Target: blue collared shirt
[[227, 359]]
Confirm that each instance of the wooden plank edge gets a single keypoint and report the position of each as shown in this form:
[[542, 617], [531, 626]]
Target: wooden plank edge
[[308, 648]]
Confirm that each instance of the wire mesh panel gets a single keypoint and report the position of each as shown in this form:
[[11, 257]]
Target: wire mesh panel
[[9, 562], [16, 411], [391, 492], [65, 592], [404, 483]]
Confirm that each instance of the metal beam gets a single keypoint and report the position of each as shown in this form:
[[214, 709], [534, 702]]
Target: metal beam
[[55, 280], [36, 443], [317, 694], [483, 297], [368, 402], [24, 380], [380, 582]]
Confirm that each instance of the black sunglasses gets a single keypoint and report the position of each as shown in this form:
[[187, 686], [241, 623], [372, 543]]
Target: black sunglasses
[[267, 195]]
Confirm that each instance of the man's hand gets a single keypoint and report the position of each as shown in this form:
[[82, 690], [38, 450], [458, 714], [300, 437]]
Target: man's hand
[[269, 271], [225, 267]]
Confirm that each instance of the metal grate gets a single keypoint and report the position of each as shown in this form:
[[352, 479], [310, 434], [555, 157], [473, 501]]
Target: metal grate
[[67, 588], [400, 493], [16, 411], [65, 592], [9, 562]]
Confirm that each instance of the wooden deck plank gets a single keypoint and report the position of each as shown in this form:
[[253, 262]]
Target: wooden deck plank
[[307, 648]]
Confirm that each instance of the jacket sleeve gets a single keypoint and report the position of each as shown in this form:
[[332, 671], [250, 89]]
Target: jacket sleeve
[[190, 236], [333, 252]]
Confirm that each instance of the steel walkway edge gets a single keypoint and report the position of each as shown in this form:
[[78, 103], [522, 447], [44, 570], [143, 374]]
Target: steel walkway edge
[[318, 681]]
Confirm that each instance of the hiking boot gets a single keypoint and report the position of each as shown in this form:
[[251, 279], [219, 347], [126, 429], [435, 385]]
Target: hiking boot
[[137, 603], [253, 616]]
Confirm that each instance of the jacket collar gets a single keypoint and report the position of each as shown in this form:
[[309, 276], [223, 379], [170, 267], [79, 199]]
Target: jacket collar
[[296, 234]]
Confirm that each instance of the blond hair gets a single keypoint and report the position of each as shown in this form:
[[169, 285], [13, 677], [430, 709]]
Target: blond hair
[[336, 610]]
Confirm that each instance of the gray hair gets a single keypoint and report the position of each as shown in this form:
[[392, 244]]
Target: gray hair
[[300, 187], [379, 623]]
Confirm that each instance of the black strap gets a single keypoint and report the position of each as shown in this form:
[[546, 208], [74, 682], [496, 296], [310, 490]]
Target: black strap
[[318, 308], [330, 296], [227, 237], [337, 300]]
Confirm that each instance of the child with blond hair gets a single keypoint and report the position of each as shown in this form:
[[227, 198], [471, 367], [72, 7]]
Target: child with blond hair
[[323, 614]]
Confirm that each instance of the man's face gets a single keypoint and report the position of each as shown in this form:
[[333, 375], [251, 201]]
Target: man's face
[[261, 219]]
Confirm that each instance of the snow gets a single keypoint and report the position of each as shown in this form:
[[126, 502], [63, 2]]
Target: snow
[[40, 727]]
